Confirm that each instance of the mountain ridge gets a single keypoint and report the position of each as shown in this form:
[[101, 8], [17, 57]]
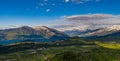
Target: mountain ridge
[[104, 31], [26, 32]]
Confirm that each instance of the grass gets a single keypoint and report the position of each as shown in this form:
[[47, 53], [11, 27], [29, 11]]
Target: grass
[[41, 55], [97, 50], [110, 45]]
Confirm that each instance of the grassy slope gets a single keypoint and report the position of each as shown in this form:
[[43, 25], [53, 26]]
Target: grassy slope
[[54, 52], [110, 45]]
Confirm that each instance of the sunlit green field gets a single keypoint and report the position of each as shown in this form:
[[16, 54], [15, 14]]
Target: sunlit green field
[[111, 45], [41, 55], [49, 53], [73, 50]]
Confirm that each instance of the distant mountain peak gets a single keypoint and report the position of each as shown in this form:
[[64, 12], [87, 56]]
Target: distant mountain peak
[[40, 27], [114, 27], [104, 31], [26, 32], [24, 27]]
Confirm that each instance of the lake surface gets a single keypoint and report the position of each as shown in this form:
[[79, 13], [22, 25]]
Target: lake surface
[[8, 42], [5, 42]]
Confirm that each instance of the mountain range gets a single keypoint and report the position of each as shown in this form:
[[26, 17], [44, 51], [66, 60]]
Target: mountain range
[[44, 33], [111, 33], [77, 32], [32, 33], [103, 31]]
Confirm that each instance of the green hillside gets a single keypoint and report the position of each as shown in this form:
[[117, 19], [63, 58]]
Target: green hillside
[[75, 49]]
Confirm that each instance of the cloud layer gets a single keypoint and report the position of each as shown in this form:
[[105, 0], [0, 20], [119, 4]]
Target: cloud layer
[[91, 21], [94, 19], [81, 1], [90, 17]]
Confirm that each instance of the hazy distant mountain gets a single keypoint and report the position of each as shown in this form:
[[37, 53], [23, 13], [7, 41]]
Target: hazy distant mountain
[[78, 32], [73, 30], [104, 31], [103, 34], [31, 33]]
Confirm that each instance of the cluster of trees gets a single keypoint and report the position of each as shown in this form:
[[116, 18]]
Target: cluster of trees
[[96, 55], [79, 54]]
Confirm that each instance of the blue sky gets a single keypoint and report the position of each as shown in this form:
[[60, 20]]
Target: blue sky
[[44, 12]]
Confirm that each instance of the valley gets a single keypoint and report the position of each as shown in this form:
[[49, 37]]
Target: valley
[[60, 51], [46, 44], [59, 30]]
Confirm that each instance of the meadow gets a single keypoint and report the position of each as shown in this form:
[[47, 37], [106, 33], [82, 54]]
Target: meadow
[[75, 49]]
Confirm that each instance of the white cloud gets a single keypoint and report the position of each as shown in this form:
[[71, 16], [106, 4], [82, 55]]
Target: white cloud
[[67, 0], [92, 16], [84, 1], [94, 19], [81, 1], [47, 10], [9, 26], [77, 1], [70, 27], [90, 21]]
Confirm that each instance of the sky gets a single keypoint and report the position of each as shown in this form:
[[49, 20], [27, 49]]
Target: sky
[[55, 12]]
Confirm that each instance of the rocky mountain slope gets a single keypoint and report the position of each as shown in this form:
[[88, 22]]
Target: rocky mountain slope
[[76, 32], [26, 32], [104, 31]]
